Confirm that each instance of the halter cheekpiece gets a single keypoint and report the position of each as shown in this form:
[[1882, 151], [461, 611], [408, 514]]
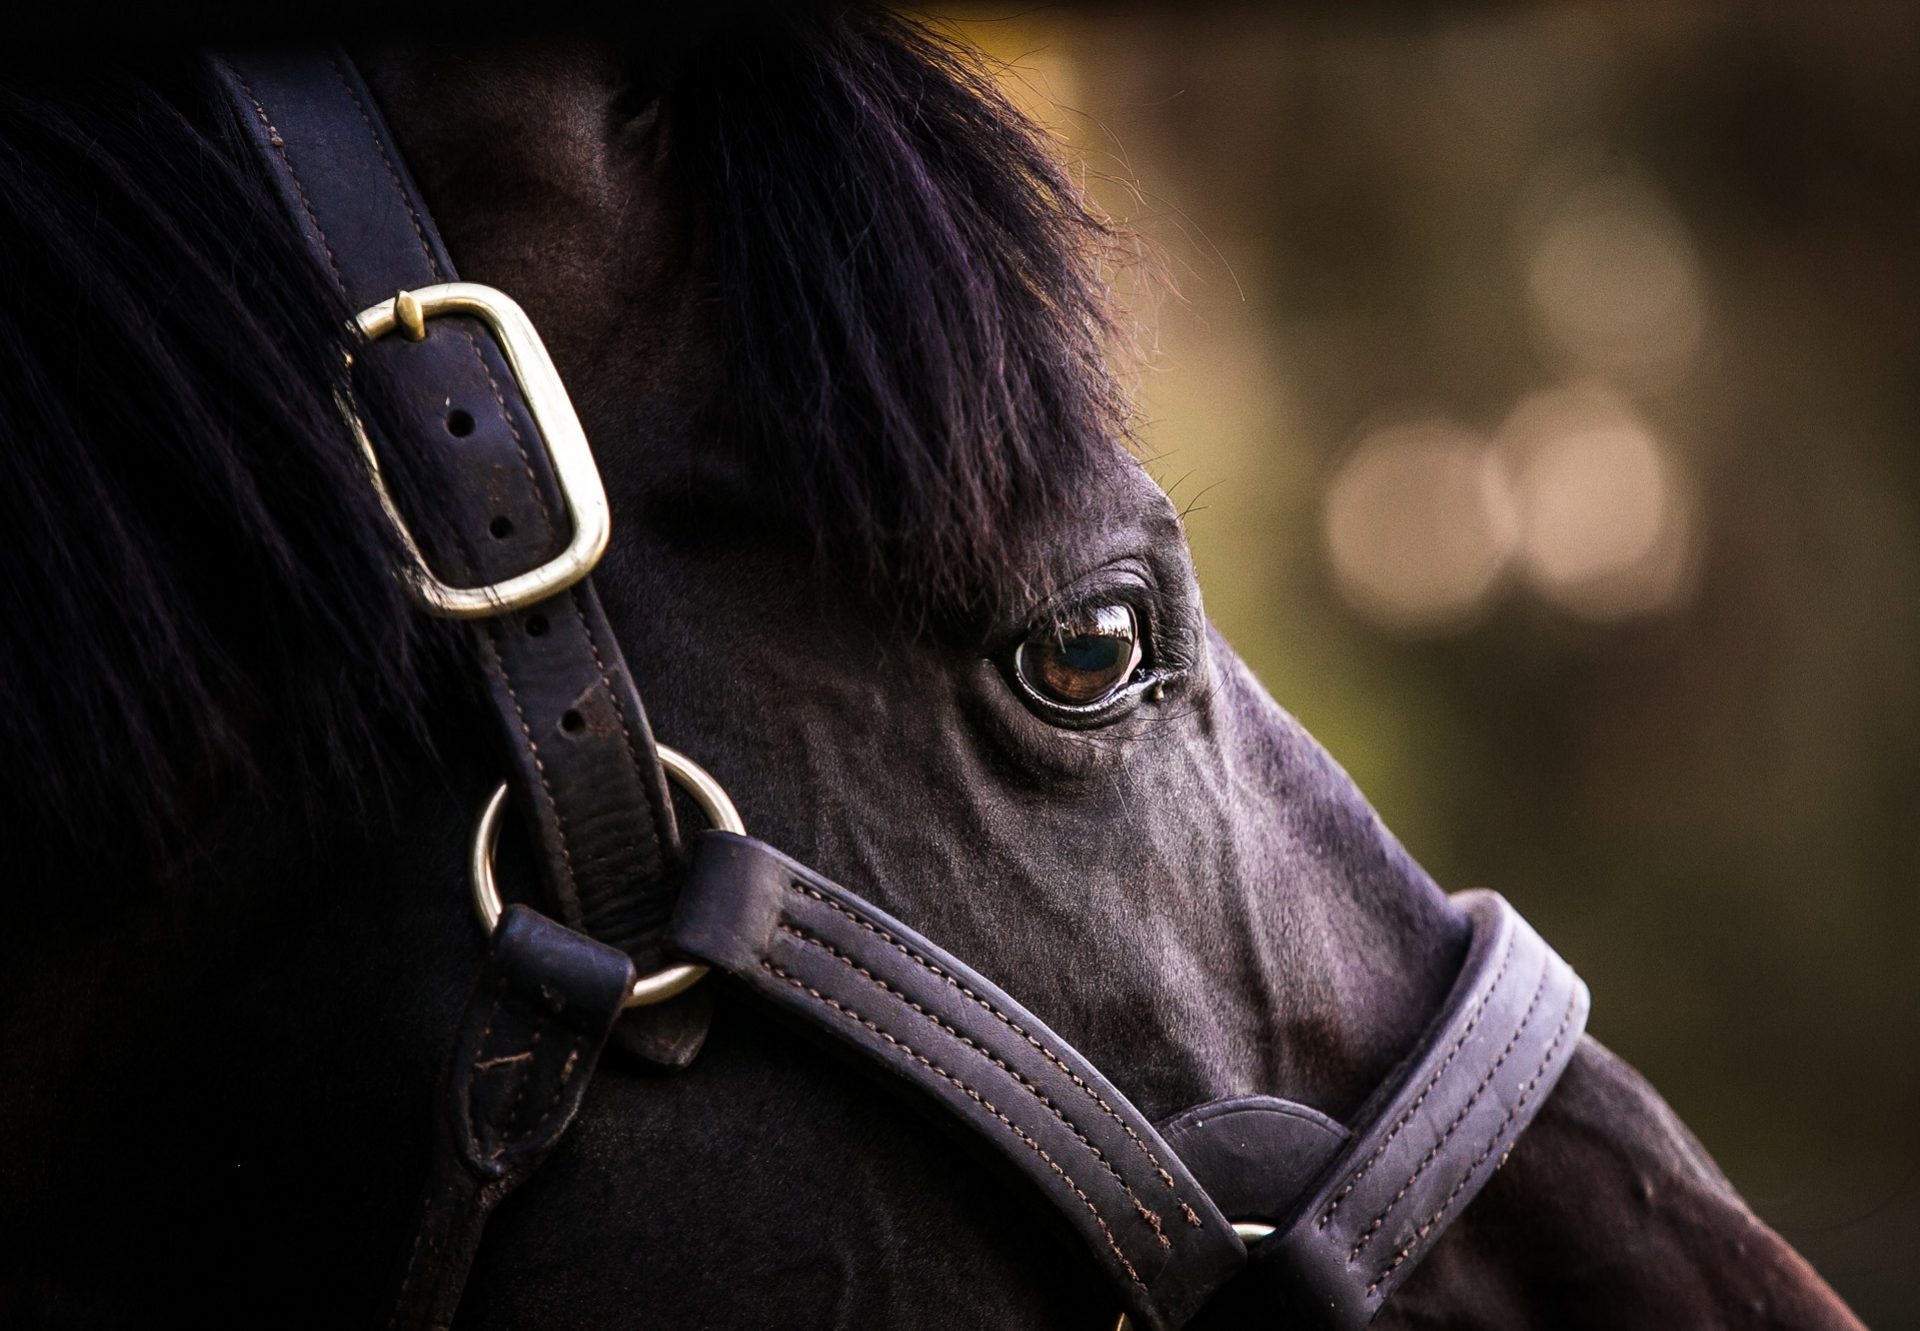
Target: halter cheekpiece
[[1266, 1203]]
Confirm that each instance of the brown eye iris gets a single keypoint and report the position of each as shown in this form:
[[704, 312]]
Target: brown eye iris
[[1082, 660]]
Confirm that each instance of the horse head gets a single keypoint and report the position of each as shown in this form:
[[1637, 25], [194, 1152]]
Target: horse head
[[832, 318]]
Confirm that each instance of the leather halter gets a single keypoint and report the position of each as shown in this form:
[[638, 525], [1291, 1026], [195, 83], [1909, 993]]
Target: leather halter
[[1337, 1216]]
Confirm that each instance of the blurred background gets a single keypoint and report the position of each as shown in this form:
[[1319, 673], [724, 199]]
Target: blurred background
[[1540, 381]]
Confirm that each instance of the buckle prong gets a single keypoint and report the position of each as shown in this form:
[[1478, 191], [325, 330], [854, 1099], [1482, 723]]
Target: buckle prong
[[555, 422], [411, 318]]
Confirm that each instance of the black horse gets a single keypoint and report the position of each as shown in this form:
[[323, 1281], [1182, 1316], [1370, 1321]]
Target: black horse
[[832, 317]]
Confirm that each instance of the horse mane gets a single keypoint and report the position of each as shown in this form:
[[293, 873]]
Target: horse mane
[[189, 542], [198, 591], [908, 285]]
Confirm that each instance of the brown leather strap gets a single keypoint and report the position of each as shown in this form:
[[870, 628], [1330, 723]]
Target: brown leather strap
[[874, 988], [583, 768], [1423, 1145], [588, 780], [527, 1046], [1256, 1155]]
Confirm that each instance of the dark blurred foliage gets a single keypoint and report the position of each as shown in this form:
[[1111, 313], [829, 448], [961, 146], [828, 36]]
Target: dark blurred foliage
[[1542, 384]]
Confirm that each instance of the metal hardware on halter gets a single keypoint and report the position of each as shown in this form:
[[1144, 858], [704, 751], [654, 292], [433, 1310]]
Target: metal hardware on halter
[[408, 314], [714, 802], [793, 940], [1250, 1233], [559, 428]]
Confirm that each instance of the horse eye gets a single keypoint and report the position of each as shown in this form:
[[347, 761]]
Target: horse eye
[[1082, 660]]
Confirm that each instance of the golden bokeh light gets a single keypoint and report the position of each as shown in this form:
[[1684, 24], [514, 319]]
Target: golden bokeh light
[[1537, 384], [1612, 275], [1419, 527], [1606, 518]]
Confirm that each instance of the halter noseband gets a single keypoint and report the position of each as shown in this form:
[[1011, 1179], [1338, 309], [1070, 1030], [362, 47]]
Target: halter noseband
[[1251, 1204]]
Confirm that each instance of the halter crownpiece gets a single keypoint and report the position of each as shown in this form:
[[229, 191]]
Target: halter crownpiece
[[1250, 1207], [558, 429]]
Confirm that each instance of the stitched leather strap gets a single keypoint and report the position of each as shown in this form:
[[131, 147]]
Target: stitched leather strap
[[1429, 1139], [585, 775], [588, 780], [532, 1032], [873, 987]]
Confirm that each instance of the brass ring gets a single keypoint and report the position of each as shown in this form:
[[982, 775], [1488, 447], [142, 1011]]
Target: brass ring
[[709, 794]]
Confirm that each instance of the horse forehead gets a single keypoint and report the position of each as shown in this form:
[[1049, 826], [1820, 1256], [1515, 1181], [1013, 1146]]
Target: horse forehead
[[472, 119], [541, 185]]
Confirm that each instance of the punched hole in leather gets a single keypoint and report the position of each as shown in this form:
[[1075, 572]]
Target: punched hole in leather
[[588, 782], [579, 753]]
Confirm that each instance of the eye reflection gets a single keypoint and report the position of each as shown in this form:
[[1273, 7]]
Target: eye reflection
[[1083, 660]]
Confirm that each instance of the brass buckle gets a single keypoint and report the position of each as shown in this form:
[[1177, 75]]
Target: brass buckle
[[559, 430]]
